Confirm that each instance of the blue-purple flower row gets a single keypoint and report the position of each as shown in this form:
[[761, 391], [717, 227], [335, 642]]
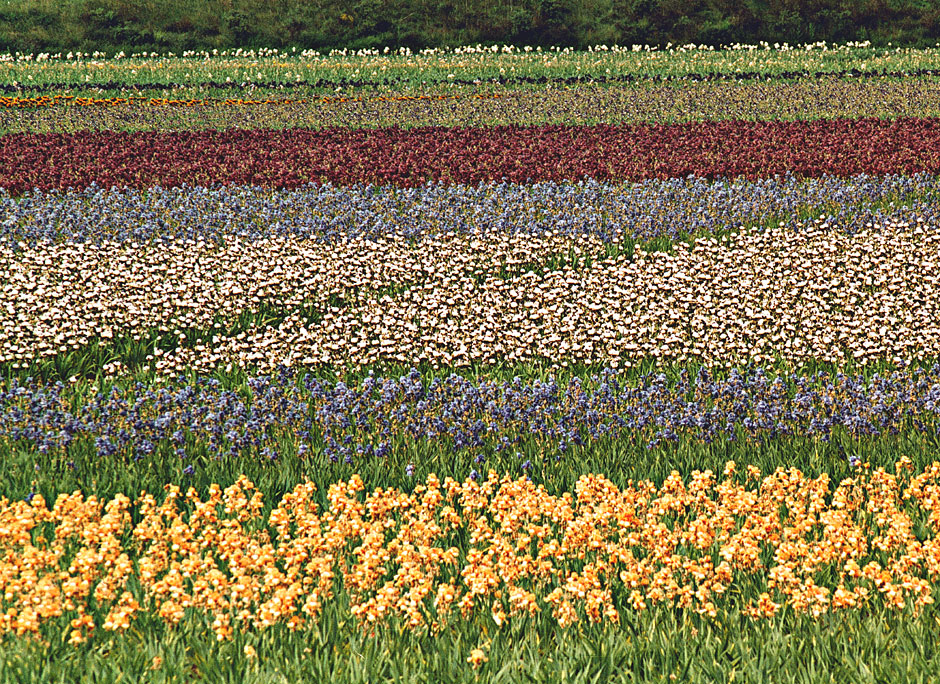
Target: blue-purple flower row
[[311, 417], [651, 209]]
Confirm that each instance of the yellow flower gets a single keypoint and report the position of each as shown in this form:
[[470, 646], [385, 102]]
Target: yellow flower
[[477, 657]]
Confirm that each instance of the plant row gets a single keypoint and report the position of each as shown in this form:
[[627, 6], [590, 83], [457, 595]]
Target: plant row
[[501, 79], [385, 419], [583, 105], [469, 155], [766, 296], [71, 100], [758, 543], [616, 214], [404, 68], [285, 428]]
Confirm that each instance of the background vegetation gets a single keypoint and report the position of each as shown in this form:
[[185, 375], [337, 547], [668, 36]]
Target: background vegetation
[[161, 25]]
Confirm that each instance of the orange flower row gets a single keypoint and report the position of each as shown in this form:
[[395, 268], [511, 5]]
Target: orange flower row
[[73, 101], [449, 549]]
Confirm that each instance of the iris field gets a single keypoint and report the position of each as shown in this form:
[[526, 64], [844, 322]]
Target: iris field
[[471, 365]]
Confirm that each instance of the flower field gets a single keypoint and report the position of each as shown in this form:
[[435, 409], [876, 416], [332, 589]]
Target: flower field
[[471, 365]]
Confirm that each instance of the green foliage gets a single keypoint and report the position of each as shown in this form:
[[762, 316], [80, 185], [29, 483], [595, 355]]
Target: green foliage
[[656, 645], [111, 25]]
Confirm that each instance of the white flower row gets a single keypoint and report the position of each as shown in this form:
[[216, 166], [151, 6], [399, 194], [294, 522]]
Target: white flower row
[[263, 53], [813, 295]]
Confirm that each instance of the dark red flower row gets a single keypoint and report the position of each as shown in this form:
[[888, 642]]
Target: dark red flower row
[[469, 155]]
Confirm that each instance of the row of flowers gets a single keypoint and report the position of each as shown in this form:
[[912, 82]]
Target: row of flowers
[[470, 155], [614, 213], [262, 53], [483, 64], [762, 296], [579, 79], [449, 550], [73, 101], [338, 422], [479, 106]]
